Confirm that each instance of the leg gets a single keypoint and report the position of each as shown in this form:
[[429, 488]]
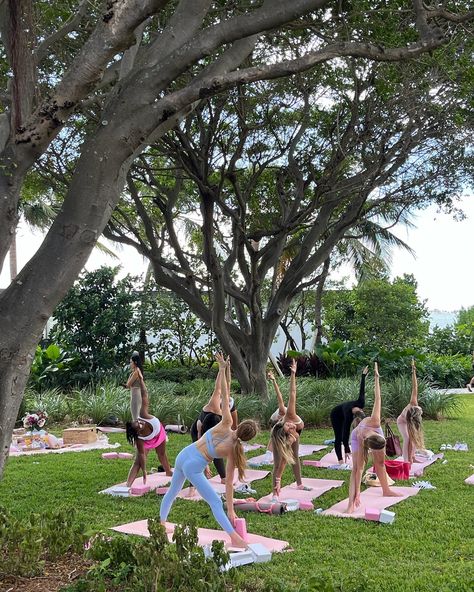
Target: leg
[[381, 472], [161, 453], [205, 490], [176, 485], [220, 467], [337, 428]]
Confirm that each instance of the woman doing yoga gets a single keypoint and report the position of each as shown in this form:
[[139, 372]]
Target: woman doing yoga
[[146, 433], [285, 438], [210, 416], [342, 417], [133, 383], [220, 441], [409, 422], [368, 437]]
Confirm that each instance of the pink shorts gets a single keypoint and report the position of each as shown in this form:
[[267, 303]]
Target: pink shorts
[[156, 441]]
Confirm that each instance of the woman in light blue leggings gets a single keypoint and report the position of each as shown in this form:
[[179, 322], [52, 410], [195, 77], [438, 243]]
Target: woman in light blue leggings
[[219, 442]]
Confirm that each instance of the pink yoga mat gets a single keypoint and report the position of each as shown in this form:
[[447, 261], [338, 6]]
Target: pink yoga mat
[[205, 536], [305, 450], [154, 480], [470, 480], [326, 461], [250, 447], [110, 430], [370, 498], [318, 487], [219, 488]]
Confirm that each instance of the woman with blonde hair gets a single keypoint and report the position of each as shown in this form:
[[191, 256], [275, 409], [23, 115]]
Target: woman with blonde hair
[[409, 422], [220, 441], [285, 439], [367, 438]]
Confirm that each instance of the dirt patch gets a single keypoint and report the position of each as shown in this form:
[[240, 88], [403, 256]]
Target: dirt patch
[[56, 575]]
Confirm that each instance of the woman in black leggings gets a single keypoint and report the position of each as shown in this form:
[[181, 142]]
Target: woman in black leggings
[[342, 417], [210, 416]]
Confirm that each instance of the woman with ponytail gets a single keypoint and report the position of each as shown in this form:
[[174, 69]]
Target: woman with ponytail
[[409, 422], [367, 438], [220, 441], [285, 439]]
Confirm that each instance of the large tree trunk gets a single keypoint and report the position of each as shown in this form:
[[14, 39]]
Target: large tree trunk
[[318, 305]]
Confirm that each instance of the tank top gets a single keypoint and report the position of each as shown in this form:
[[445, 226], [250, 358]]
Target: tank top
[[156, 427]]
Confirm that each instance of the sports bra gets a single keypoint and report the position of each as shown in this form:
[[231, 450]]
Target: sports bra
[[211, 446], [156, 427]]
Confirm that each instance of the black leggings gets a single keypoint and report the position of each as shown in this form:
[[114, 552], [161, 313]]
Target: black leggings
[[208, 421]]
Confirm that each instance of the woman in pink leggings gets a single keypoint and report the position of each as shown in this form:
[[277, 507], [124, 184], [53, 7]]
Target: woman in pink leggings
[[368, 437]]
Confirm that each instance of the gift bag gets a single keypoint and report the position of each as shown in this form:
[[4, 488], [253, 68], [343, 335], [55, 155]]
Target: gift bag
[[398, 469], [392, 446]]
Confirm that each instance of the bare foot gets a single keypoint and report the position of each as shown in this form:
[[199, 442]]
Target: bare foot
[[302, 487], [192, 492], [350, 509], [391, 493], [169, 473], [237, 541]]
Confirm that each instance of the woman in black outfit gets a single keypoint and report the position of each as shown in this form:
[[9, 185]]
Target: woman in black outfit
[[342, 417]]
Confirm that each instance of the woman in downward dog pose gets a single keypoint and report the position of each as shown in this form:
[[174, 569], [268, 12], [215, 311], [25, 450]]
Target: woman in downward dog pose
[[146, 433], [210, 416], [342, 417], [285, 439], [409, 422], [220, 441], [368, 437]]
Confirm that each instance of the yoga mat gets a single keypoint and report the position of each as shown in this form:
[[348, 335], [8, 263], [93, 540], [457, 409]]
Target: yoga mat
[[250, 447], [470, 480], [318, 487], [305, 450], [205, 535], [327, 461], [219, 488], [370, 498], [153, 481], [99, 445], [177, 429], [417, 468], [110, 430]]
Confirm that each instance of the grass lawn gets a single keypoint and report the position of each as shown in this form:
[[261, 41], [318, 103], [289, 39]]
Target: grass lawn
[[429, 547]]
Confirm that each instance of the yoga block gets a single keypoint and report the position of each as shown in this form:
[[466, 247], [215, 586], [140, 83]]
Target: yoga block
[[140, 489], [242, 558], [110, 455], [240, 526], [80, 435], [260, 552], [120, 491], [387, 517], [161, 490], [124, 455], [372, 514], [306, 505]]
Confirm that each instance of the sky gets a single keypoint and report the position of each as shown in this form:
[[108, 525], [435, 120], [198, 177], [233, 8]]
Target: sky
[[442, 266]]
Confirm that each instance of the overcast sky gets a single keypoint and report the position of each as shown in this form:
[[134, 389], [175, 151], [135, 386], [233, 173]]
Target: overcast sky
[[443, 265]]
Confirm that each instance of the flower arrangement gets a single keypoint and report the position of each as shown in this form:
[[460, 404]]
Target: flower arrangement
[[35, 421]]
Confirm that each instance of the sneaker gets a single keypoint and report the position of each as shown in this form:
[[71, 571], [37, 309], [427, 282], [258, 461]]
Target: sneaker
[[245, 489], [423, 485]]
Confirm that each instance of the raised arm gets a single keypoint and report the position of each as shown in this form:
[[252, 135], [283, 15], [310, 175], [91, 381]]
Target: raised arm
[[291, 410], [377, 408], [225, 409], [281, 403], [214, 402], [414, 384], [361, 399]]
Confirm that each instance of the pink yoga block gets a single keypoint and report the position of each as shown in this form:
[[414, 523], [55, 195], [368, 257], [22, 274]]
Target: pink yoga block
[[139, 489], [306, 505], [161, 490], [240, 526], [110, 455], [372, 514], [125, 455]]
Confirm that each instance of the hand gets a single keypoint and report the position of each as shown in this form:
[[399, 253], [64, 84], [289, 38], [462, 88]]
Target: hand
[[293, 366], [348, 458], [365, 371], [270, 375], [277, 488], [231, 515], [221, 360], [376, 370]]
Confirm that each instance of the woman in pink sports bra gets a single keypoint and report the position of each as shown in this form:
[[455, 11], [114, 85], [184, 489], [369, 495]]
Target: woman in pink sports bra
[[368, 437], [146, 433]]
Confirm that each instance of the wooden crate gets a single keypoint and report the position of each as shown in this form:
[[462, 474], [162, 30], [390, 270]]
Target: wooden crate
[[80, 435]]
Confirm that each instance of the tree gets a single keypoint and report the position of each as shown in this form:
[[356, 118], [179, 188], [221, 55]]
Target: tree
[[380, 312], [112, 80]]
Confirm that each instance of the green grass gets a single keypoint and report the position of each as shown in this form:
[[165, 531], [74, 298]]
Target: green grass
[[429, 547]]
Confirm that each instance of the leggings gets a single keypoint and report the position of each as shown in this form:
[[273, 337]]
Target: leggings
[[190, 465], [406, 447], [295, 447], [135, 402]]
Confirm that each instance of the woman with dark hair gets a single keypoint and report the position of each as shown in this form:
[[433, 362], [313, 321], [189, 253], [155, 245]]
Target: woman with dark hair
[[220, 441], [342, 416], [210, 416], [133, 383], [368, 437], [409, 422], [285, 437], [146, 433]]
